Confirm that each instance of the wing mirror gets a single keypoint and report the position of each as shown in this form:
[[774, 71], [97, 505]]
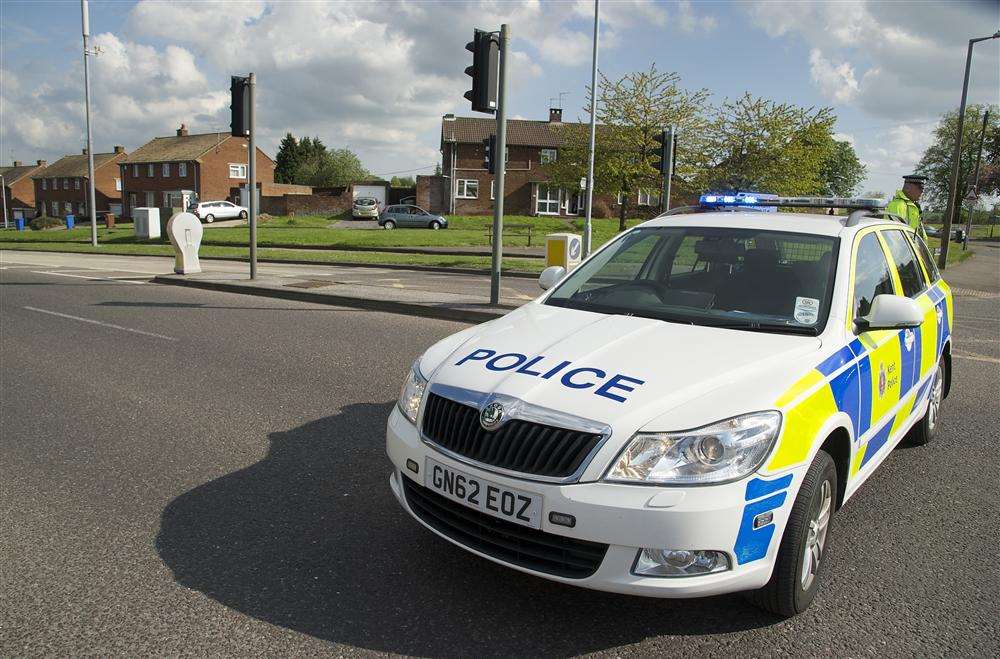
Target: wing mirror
[[890, 312], [550, 276]]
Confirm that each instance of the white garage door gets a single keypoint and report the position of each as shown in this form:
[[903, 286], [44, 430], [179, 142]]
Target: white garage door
[[377, 191]]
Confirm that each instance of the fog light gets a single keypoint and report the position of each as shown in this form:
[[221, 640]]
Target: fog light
[[679, 562]]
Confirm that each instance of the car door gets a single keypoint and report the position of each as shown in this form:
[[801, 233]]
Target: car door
[[878, 370], [227, 209], [418, 216], [406, 218]]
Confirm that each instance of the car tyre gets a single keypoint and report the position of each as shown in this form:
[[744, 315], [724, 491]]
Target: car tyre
[[243, 215], [805, 546], [435, 225], [209, 218], [389, 225], [925, 429]]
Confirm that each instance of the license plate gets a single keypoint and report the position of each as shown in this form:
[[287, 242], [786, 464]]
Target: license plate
[[485, 496]]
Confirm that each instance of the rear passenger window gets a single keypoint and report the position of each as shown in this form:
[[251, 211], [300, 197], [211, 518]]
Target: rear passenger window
[[925, 256], [906, 263], [871, 275]]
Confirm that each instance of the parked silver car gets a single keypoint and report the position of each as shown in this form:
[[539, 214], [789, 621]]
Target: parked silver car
[[210, 211], [365, 207], [401, 215]]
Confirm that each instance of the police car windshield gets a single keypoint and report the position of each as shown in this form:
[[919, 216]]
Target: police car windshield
[[746, 279]]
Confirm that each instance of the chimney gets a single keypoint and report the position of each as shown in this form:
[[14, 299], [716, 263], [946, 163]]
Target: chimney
[[119, 148], [17, 163], [449, 117], [182, 131], [42, 163], [555, 115]]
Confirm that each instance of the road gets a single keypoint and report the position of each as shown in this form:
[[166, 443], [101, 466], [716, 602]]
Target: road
[[198, 472]]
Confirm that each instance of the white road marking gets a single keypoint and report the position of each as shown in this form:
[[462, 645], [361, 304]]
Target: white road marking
[[125, 280], [101, 323]]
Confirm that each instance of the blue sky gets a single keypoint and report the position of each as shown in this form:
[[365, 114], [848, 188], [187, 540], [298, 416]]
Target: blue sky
[[377, 76]]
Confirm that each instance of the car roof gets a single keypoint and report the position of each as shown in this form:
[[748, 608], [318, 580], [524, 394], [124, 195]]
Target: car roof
[[808, 223]]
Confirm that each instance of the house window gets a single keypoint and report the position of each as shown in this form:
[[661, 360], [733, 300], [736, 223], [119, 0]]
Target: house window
[[548, 155], [182, 169], [65, 184], [68, 206], [135, 171], [468, 188], [237, 170], [647, 198], [150, 170], [45, 186], [547, 201], [118, 184], [76, 183], [150, 200], [493, 188], [166, 198], [166, 170]]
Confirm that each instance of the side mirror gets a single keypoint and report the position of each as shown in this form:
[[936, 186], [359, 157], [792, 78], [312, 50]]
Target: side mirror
[[550, 276], [890, 312]]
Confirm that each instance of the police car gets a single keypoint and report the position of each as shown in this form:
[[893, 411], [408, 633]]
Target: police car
[[683, 413]]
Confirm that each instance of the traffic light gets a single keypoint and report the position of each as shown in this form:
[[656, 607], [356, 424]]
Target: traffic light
[[485, 71], [489, 151], [239, 89], [666, 152]]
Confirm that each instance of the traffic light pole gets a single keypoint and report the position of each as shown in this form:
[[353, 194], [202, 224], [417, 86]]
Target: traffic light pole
[[500, 158], [252, 183], [668, 164]]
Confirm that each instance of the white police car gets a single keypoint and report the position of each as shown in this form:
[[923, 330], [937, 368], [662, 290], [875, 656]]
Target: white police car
[[682, 414]]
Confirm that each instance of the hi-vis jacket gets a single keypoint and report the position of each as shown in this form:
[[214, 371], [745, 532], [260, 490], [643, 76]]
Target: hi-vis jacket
[[904, 207]]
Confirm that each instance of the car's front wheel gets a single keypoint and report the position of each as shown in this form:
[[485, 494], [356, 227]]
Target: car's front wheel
[[925, 429], [435, 225], [389, 225], [805, 546], [209, 218]]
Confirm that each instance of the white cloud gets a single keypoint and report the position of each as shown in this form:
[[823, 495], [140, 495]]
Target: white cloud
[[836, 82], [689, 21]]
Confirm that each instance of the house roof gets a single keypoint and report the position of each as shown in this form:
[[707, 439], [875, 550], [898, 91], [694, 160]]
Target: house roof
[[12, 175], [522, 132], [176, 148], [74, 166]]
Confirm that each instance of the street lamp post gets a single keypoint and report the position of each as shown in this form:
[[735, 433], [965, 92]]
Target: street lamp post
[[953, 200], [3, 190], [91, 203], [593, 132]]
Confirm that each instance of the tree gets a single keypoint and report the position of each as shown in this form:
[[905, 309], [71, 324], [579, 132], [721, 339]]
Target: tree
[[288, 159], [402, 182], [780, 148], [321, 167], [936, 163], [841, 172], [631, 111]]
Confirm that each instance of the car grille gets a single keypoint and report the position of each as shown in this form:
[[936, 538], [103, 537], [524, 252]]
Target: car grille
[[520, 446], [503, 540]]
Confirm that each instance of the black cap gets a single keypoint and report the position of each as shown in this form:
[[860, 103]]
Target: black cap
[[919, 179]]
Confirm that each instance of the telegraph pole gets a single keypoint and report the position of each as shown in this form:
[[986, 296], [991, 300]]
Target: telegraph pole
[[91, 202], [500, 157], [252, 176], [593, 134]]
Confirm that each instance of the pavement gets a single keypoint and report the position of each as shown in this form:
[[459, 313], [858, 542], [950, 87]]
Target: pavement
[[197, 472], [436, 293]]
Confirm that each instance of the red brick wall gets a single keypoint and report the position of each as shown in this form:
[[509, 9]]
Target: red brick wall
[[432, 193], [20, 195], [157, 183], [104, 191], [302, 204]]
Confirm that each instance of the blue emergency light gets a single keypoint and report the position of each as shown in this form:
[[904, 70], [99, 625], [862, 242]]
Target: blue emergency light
[[739, 201]]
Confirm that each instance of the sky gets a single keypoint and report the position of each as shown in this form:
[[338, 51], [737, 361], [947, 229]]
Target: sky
[[377, 76]]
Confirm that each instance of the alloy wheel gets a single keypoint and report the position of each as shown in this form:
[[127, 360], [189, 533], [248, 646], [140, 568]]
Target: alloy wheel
[[819, 523]]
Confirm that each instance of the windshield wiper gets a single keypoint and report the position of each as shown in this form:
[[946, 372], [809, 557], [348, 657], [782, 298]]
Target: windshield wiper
[[757, 326]]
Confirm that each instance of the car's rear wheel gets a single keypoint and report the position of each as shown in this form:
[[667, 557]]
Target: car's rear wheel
[[209, 218], [243, 215], [805, 546], [389, 225], [435, 225], [925, 429]]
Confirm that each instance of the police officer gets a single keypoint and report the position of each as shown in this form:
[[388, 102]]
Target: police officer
[[905, 205]]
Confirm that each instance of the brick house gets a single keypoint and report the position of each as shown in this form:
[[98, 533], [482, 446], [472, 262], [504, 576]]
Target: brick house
[[466, 188], [61, 188], [19, 189], [207, 164]]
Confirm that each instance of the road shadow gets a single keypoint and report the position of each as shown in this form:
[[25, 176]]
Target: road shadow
[[311, 538]]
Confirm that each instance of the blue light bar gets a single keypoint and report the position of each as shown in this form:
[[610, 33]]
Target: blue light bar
[[738, 201]]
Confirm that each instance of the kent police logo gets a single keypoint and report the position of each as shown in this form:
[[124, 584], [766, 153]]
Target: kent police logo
[[491, 416], [882, 380]]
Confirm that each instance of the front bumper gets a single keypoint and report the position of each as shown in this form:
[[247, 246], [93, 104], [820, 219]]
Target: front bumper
[[360, 212], [625, 517]]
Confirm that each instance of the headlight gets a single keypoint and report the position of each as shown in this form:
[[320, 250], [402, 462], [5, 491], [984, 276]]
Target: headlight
[[724, 451], [412, 392]]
